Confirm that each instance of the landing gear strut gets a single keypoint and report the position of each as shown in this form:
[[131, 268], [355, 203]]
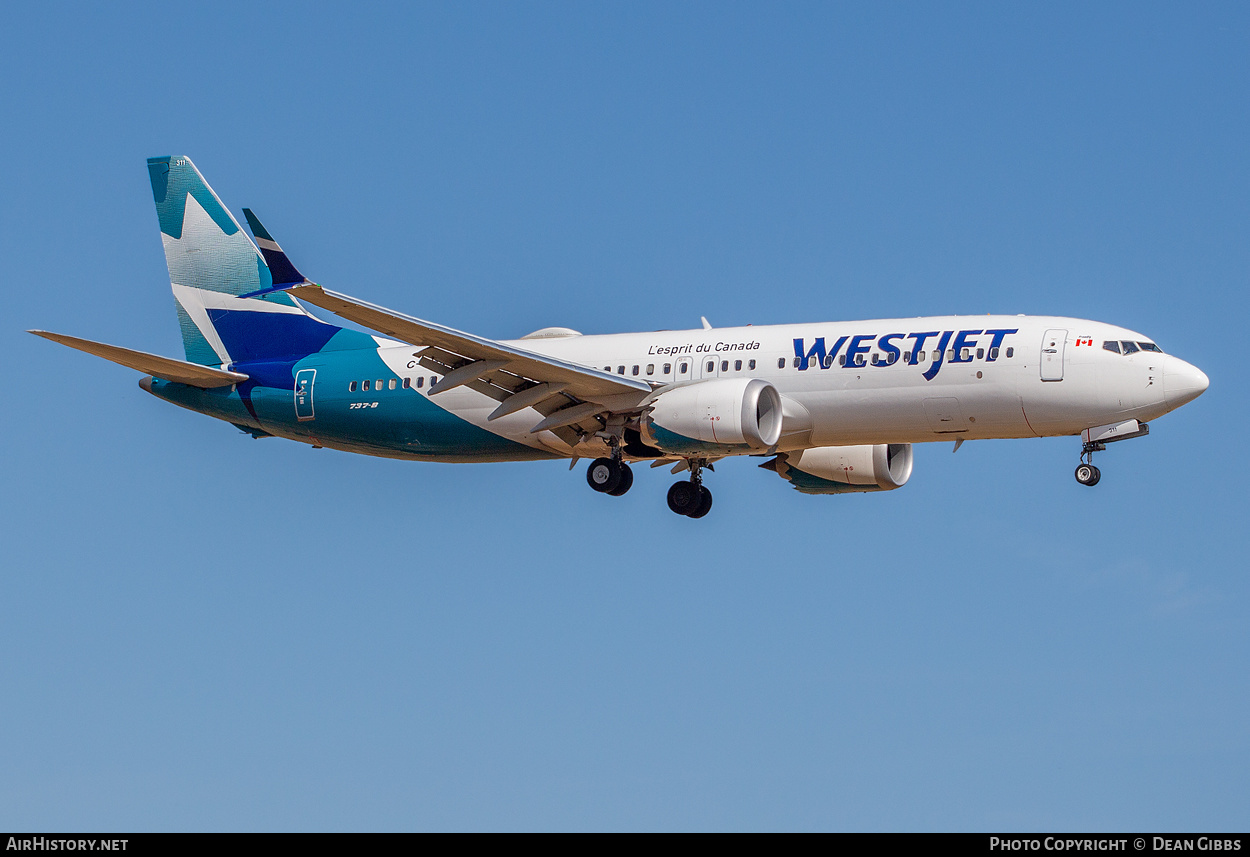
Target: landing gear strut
[[691, 498], [1086, 472], [610, 476]]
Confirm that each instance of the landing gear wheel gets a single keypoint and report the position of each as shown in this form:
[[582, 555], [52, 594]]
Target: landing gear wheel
[[604, 475], [683, 497], [1088, 474], [627, 480], [705, 504]]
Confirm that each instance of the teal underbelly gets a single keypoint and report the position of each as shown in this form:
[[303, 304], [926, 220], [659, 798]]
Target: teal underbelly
[[401, 421]]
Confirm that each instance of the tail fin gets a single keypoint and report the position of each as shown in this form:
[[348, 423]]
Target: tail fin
[[211, 262]]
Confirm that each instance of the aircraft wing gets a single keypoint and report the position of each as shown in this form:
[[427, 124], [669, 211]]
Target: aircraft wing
[[192, 374], [567, 394]]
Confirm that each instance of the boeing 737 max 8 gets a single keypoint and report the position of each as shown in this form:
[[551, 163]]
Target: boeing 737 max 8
[[835, 407]]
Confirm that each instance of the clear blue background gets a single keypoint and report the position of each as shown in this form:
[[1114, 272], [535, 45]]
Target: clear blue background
[[203, 631]]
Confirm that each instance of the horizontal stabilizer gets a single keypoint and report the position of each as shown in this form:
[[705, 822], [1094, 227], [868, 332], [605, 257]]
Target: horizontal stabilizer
[[180, 371]]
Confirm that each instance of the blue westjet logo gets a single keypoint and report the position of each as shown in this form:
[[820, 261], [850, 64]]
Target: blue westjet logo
[[966, 347]]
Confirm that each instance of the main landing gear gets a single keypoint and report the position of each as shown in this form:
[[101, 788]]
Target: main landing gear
[[1086, 472], [614, 477], [691, 498], [610, 476]]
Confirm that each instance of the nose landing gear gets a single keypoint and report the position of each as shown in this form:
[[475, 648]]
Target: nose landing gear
[[1086, 472], [691, 498]]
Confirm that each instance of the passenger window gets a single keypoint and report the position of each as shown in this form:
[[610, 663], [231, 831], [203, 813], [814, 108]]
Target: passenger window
[[351, 388], [1129, 347], [724, 365], [433, 380], [906, 356], [1011, 352], [364, 385], [378, 386], [842, 360], [668, 367], [993, 353], [811, 362], [407, 383], [751, 365], [620, 370], [683, 368], [634, 371], [950, 354], [711, 364], [607, 368], [650, 368], [920, 359], [980, 353], [828, 360], [859, 360], [737, 365], [420, 382], [1111, 345], [390, 385], [798, 361], [874, 360], [781, 362]]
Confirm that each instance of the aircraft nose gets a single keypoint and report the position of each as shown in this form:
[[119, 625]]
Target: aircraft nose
[[1182, 382]]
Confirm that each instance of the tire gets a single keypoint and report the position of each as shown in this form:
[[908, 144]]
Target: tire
[[683, 497], [705, 504], [627, 480], [604, 475], [1088, 475]]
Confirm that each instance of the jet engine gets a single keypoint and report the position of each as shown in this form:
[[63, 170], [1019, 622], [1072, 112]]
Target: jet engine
[[845, 469], [724, 415]]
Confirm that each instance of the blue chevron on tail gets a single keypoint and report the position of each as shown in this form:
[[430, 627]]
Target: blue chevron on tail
[[211, 263]]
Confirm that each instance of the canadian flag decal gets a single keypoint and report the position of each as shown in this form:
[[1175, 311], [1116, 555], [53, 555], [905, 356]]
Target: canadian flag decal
[[1080, 341]]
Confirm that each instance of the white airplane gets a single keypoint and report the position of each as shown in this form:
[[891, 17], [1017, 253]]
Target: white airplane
[[834, 406]]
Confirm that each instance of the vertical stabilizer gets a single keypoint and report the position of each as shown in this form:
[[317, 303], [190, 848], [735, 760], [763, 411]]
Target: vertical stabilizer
[[211, 262]]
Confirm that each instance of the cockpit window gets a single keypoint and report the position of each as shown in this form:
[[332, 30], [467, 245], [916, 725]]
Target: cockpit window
[[1129, 347], [1111, 345], [1150, 346]]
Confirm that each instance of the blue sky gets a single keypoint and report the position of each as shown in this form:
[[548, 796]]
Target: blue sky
[[202, 631]]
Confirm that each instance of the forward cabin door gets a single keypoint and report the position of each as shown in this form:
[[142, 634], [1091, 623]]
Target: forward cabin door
[[304, 394], [1052, 354]]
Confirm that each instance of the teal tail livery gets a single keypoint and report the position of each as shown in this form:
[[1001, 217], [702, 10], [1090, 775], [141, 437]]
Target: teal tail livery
[[834, 407], [211, 264]]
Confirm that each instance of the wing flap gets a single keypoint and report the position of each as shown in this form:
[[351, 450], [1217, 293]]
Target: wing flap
[[180, 371]]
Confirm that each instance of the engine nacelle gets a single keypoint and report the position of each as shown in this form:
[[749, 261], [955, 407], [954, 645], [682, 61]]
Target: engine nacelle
[[845, 469], [724, 415]]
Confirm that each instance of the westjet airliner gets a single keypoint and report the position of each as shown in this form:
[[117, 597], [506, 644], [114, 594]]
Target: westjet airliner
[[835, 407]]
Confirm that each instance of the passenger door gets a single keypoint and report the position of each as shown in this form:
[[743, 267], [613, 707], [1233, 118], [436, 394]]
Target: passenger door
[[304, 379], [1053, 344]]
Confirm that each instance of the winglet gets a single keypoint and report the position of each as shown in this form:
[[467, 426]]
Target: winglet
[[284, 273]]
